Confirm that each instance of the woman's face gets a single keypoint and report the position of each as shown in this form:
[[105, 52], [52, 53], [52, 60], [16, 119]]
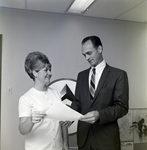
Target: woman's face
[[43, 76]]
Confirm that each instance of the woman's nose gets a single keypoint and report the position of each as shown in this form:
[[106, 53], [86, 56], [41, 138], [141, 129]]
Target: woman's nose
[[49, 72]]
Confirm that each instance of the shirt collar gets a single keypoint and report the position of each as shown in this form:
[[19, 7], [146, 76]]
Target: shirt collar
[[99, 66]]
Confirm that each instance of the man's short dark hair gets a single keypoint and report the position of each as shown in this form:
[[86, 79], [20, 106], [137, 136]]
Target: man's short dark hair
[[94, 39]]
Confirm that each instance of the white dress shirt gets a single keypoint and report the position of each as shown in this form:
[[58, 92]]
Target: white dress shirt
[[98, 72]]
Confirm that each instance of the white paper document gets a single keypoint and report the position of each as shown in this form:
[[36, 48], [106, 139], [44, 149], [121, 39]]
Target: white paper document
[[61, 112]]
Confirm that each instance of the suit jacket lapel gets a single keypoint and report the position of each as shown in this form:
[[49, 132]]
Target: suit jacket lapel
[[102, 80], [87, 86]]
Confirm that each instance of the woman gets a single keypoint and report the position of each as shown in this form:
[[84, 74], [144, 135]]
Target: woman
[[42, 133]]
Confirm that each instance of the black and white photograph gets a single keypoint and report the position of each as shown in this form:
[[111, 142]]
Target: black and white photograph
[[73, 74]]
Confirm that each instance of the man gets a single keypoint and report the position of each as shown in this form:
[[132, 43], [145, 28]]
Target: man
[[98, 129]]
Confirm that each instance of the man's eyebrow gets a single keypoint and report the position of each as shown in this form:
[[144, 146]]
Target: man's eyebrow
[[83, 53]]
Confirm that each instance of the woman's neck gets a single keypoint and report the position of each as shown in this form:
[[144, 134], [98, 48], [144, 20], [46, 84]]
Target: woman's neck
[[40, 87]]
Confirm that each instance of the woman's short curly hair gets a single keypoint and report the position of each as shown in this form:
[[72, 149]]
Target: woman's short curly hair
[[35, 61]]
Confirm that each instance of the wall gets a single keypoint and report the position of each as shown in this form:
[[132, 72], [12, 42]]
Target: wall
[[0, 72], [59, 37]]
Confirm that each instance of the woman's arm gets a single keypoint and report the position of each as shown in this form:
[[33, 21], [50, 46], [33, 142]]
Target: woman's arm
[[25, 125], [65, 137]]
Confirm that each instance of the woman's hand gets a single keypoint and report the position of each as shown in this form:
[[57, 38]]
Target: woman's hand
[[66, 123], [37, 116]]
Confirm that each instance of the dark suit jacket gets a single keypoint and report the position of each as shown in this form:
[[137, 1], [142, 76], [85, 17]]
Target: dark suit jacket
[[111, 101]]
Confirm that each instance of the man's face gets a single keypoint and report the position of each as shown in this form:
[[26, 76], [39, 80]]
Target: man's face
[[91, 54]]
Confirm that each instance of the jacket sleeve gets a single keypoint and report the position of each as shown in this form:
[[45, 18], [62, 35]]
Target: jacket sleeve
[[120, 98]]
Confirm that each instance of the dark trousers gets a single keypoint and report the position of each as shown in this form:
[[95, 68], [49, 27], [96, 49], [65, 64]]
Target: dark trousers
[[89, 145]]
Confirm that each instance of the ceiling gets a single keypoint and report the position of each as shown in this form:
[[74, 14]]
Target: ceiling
[[128, 10]]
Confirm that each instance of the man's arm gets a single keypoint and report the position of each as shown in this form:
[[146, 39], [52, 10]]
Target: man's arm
[[119, 105], [76, 103], [120, 99]]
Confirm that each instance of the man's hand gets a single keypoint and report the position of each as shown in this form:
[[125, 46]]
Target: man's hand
[[90, 117]]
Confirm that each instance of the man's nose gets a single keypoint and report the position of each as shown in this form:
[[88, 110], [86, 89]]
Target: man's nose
[[87, 57]]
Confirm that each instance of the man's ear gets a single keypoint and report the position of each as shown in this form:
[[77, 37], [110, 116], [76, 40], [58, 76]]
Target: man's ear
[[35, 73], [100, 49]]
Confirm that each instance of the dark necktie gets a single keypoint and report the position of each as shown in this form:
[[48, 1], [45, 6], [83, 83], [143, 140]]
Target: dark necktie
[[92, 85]]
